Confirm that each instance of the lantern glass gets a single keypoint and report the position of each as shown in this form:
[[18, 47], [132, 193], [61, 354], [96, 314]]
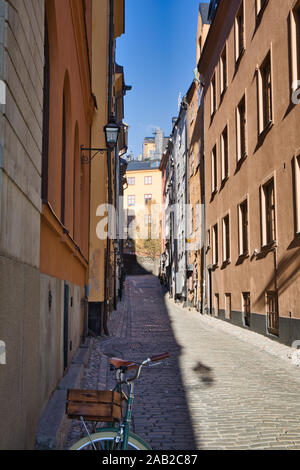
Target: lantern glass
[[111, 134]]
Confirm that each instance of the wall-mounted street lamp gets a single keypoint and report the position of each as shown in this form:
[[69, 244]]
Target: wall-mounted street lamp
[[112, 131]]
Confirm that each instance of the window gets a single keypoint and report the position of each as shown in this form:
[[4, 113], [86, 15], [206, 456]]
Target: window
[[228, 306], [131, 181], [148, 179], [295, 45], [223, 71], [213, 95], [241, 129], [214, 170], [208, 239], [239, 33], [243, 228], [148, 198], [246, 308], [297, 192], [224, 153], [215, 253], [265, 94], [199, 95], [131, 201], [226, 239], [217, 305], [268, 213], [272, 313]]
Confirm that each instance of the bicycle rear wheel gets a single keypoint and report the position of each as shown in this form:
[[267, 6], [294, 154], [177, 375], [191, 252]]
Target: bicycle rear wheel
[[105, 440]]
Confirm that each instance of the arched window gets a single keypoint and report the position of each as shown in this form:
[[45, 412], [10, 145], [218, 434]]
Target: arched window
[[63, 166], [77, 188], [66, 204]]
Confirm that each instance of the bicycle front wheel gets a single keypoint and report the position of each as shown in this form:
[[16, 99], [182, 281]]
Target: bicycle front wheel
[[105, 440]]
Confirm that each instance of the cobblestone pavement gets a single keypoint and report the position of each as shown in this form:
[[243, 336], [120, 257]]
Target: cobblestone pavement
[[219, 390]]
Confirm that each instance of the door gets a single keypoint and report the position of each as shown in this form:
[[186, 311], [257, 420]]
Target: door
[[272, 313], [66, 325], [210, 292], [246, 308]]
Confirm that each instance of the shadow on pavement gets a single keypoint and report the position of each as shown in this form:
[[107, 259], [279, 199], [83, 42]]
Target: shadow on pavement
[[161, 411]]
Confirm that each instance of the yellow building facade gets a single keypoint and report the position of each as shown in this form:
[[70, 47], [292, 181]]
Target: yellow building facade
[[142, 200]]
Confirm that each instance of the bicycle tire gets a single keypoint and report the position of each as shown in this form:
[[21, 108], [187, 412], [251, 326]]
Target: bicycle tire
[[105, 438]]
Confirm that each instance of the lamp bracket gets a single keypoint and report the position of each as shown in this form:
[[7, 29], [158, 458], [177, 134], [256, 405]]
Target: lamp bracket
[[96, 151]]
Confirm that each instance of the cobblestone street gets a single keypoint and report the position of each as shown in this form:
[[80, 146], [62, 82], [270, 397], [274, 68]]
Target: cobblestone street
[[221, 389]]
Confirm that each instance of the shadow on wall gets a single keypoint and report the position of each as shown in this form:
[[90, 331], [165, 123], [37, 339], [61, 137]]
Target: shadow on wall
[[140, 265], [287, 272]]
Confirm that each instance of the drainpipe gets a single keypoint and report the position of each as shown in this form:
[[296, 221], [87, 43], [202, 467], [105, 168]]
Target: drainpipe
[[186, 201], [204, 247], [109, 117]]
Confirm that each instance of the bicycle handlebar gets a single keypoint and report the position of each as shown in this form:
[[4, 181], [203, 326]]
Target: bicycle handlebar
[[160, 357], [157, 358]]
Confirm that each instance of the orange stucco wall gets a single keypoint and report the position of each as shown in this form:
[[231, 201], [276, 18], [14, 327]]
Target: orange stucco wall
[[69, 78]]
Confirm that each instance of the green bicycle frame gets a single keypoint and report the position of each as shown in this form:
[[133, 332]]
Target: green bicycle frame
[[125, 425], [127, 420]]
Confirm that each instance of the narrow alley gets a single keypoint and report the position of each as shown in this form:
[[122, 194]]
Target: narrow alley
[[219, 390]]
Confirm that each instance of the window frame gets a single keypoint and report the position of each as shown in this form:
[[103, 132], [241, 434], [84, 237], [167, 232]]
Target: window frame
[[226, 238], [215, 245], [225, 155], [294, 21], [214, 170], [129, 178], [146, 178], [243, 247], [133, 198], [268, 222], [223, 71], [241, 125], [265, 118], [213, 95], [239, 48]]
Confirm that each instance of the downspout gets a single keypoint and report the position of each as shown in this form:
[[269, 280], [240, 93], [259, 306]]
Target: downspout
[[187, 201], [204, 247], [109, 187]]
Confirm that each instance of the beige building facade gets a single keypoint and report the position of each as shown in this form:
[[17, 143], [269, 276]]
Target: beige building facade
[[21, 118], [248, 66], [195, 170]]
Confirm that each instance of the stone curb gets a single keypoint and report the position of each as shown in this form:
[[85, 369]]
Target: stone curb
[[54, 424]]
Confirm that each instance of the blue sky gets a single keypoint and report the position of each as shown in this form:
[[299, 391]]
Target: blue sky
[[158, 52]]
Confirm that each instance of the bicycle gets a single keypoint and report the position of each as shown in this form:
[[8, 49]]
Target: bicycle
[[107, 406]]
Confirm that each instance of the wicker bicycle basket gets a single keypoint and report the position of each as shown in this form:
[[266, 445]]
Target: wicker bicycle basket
[[94, 405]]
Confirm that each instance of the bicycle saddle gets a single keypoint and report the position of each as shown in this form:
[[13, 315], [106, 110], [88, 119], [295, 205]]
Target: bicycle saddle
[[116, 362]]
